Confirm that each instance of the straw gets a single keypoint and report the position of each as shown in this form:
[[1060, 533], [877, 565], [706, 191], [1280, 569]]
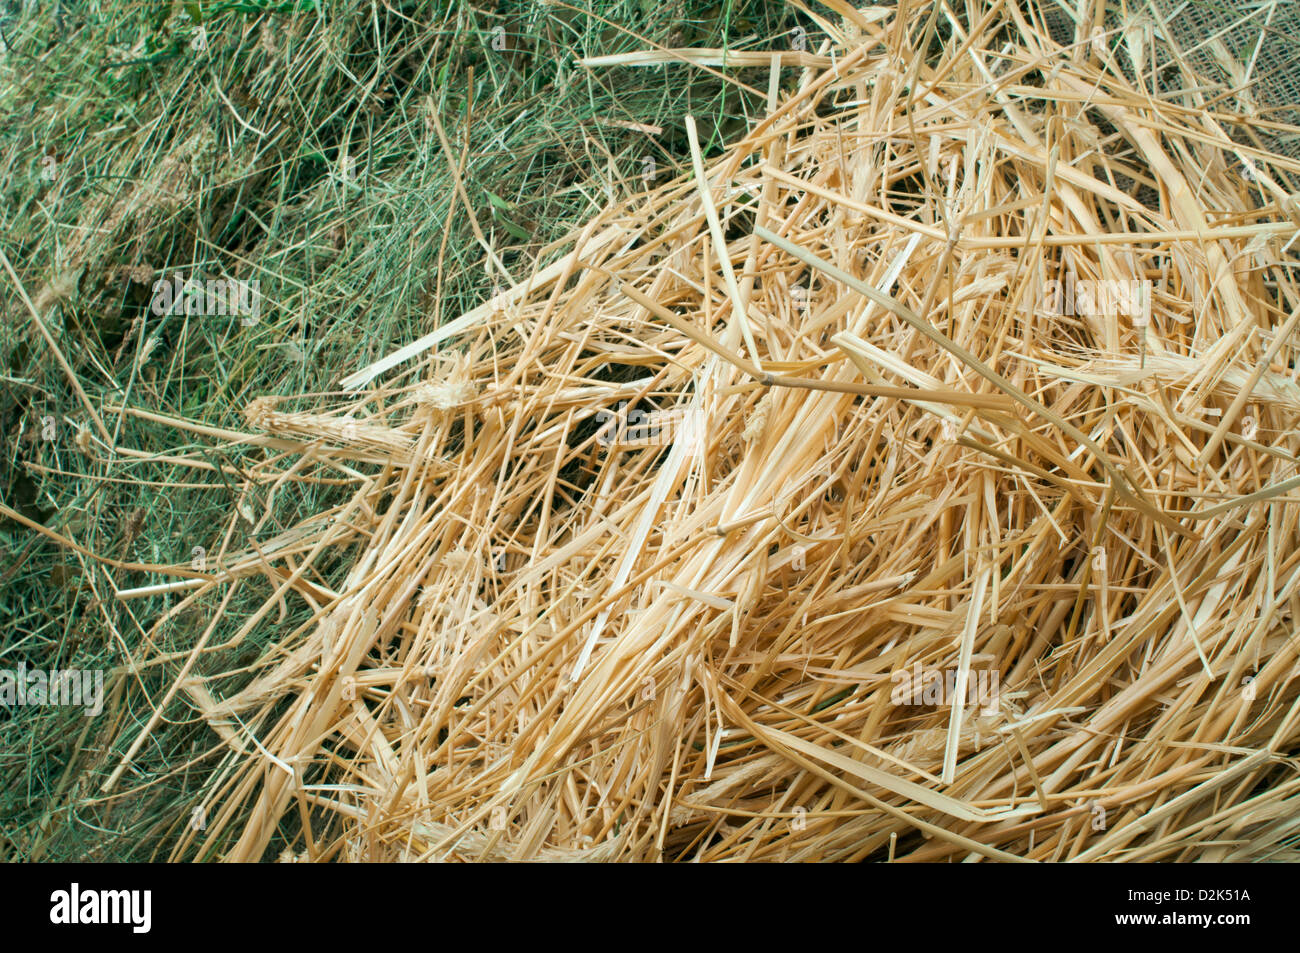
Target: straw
[[615, 590]]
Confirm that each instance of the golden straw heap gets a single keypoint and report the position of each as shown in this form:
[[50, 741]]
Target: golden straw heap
[[917, 480]]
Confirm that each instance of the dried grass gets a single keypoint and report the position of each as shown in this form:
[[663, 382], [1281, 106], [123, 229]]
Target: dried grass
[[885, 452]]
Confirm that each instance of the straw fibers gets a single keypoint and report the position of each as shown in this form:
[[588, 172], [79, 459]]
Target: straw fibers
[[639, 552]]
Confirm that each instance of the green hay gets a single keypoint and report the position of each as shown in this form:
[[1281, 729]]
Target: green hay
[[229, 162]]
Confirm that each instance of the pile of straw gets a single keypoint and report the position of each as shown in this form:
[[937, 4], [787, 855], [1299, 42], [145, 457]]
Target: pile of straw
[[642, 550]]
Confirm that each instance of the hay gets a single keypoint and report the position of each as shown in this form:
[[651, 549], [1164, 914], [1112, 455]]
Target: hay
[[641, 558]]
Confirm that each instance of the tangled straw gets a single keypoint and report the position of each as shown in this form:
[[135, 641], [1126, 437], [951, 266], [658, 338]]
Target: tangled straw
[[892, 462]]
